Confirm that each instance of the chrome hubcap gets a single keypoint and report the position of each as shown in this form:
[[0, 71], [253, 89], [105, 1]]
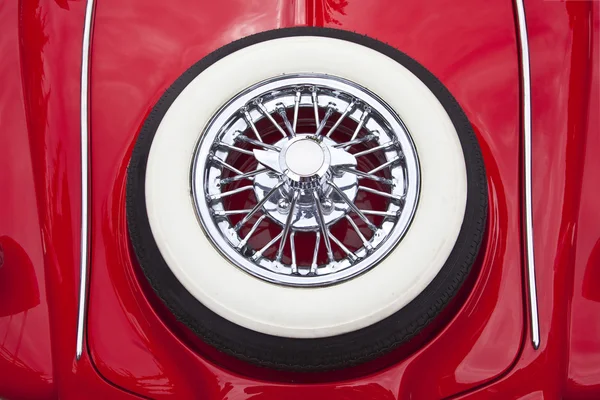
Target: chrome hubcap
[[308, 171], [305, 180]]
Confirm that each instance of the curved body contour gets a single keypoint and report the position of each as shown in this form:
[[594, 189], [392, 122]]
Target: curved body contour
[[133, 348]]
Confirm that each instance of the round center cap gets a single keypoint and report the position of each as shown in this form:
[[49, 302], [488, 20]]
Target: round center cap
[[304, 157]]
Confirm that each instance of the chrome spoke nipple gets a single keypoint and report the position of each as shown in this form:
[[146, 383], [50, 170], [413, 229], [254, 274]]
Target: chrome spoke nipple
[[327, 206], [283, 206]]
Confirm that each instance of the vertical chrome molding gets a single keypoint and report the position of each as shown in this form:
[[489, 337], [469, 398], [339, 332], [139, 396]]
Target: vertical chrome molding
[[83, 261], [526, 102]]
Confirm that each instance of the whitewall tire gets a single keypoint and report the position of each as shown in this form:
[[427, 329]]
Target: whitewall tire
[[381, 296]]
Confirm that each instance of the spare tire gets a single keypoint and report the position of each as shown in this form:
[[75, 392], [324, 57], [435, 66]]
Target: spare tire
[[306, 199]]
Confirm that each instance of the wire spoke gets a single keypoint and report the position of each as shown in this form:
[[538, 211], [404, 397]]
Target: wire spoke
[[286, 121], [323, 226], [380, 193], [258, 206], [234, 148], [218, 196], [341, 118], [374, 149], [267, 114], [225, 165], [246, 175], [259, 253], [257, 143], [296, 105], [328, 113], [362, 216], [313, 267], [350, 254], [365, 175], [384, 165], [294, 266], [355, 141], [250, 123], [361, 122], [364, 240], [379, 213], [224, 213], [288, 225], [251, 232], [315, 102]]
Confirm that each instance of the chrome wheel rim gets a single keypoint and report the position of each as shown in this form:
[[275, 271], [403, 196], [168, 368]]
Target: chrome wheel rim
[[309, 157]]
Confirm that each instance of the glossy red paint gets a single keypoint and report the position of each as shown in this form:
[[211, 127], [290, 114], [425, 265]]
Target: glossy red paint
[[39, 204], [481, 347], [25, 350], [565, 63], [135, 348]]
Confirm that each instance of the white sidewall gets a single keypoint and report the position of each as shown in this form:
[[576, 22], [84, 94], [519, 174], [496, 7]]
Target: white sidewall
[[306, 312]]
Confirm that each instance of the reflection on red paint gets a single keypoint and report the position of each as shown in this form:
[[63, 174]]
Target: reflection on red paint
[[18, 283], [480, 347]]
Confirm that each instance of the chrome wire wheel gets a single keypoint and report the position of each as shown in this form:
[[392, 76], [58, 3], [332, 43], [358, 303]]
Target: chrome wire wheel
[[305, 180]]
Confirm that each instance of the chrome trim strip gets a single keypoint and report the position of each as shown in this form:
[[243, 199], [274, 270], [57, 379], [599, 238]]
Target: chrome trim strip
[[83, 266], [526, 93]]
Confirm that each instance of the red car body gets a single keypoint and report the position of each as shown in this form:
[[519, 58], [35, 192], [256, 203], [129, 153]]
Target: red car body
[[480, 348]]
